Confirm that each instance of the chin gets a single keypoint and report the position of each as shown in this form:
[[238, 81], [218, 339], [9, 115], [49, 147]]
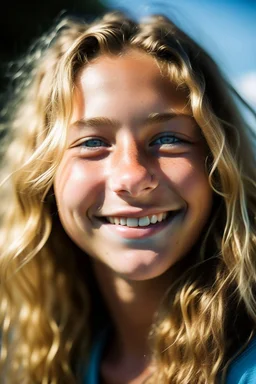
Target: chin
[[150, 267]]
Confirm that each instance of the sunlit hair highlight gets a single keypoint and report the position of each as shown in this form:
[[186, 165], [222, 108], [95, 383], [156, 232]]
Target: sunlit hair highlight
[[46, 299]]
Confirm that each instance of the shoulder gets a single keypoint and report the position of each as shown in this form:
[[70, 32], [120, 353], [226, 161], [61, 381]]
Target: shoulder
[[243, 369]]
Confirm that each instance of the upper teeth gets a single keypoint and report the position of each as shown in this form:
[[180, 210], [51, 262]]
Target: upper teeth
[[137, 221]]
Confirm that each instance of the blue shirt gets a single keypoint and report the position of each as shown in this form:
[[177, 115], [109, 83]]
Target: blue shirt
[[92, 375], [241, 371]]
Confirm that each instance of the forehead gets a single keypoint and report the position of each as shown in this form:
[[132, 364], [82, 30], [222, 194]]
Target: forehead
[[122, 81]]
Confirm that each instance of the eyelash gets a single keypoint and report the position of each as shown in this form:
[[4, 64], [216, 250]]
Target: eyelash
[[174, 140], [94, 139], [99, 142]]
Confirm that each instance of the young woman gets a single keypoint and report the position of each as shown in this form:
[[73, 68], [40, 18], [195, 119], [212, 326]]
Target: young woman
[[128, 225]]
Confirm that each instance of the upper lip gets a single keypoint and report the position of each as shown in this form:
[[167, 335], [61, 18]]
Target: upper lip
[[138, 213]]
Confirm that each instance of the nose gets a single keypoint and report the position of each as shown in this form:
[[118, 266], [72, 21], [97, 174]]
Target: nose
[[131, 173]]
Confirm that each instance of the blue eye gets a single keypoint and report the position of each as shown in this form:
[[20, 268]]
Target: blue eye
[[93, 143], [166, 140]]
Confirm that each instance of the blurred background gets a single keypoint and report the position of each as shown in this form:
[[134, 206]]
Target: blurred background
[[226, 28]]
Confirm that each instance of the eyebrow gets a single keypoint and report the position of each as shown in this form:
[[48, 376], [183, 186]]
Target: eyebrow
[[153, 118]]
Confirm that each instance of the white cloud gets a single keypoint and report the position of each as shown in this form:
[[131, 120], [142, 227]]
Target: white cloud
[[246, 86]]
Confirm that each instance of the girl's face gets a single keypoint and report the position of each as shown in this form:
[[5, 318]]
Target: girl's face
[[131, 189]]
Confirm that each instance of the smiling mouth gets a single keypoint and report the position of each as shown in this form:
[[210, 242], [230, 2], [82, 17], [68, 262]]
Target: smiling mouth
[[144, 221]]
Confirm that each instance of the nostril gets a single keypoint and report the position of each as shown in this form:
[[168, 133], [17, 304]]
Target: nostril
[[132, 181]]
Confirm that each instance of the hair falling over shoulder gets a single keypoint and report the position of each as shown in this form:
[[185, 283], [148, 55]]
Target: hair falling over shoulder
[[46, 302]]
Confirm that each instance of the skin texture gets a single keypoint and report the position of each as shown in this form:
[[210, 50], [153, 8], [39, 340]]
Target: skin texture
[[135, 166], [128, 171]]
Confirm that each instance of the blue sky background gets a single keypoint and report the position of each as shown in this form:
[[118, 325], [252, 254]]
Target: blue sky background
[[226, 28]]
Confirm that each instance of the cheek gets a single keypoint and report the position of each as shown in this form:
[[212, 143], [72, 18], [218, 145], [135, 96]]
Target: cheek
[[189, 178], [76, 185]]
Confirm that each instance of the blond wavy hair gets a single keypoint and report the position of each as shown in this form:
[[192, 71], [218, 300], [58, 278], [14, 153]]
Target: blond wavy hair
[[48, 294]]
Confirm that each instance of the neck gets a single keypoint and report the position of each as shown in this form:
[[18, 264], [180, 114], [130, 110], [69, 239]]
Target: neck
[[132, 305]]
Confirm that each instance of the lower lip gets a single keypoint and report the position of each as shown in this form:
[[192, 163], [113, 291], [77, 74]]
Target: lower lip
[[140, 232]]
